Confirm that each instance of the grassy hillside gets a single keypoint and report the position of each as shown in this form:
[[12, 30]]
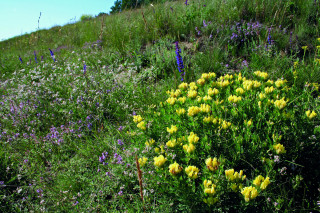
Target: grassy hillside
[[197, 107]]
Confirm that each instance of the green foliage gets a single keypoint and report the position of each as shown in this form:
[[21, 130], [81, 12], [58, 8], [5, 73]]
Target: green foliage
[[86, 17]]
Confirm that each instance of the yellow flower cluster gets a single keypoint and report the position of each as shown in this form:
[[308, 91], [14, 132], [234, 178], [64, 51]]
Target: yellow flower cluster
[[137, 118], [142, 161], [171, 143], [234, 98], [209, 187], [192, 172], [249, 193], [159, 161], [234, 176], [222, 83], [183, 86], [205, 108], [262, 95], [193, 110], [180, 111], [182, 99], [268, 90], [310, 114], [174, 93], [248, 123], [192, 93], [261, 182], [249, 84], [173, 129], [240, 91], [171, 100], [201, 81], [189, 148], [279, 148], [150, 142], [142, 125], [193, 138], [280, 82], [207, 98], [175, 168], [212, 164], [280, 103], [263, 75], [224, 124], [213, 91]]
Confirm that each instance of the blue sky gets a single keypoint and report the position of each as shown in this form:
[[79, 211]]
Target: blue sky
[[18, 17]]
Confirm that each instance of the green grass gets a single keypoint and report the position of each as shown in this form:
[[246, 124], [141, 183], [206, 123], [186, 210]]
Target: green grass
[[57, 119]]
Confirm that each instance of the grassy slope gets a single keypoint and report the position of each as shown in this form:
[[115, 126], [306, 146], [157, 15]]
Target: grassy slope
[[140, 42]]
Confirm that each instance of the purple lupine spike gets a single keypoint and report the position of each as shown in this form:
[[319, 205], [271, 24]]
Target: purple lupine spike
[[179, 60], [35, 56], [84, 69], [269, 36], [186, 3], [20, 59], [204, 23], [52, 55]]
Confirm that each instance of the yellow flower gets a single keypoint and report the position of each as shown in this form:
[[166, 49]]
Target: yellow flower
[[172, 143], [173, 129], [280, 103], [248, 123], [310, 114], [240, 91], [142, 161], [249, 193], [193, 86], [212, 74], [213, 91], [182, 99], [225, 124], [207, 98], [208, 119], [201, 81], [157, 150], [269, 89], [189, 148], [137, 118], [142, 125], [150, 142], [180, 111], [171, 100], [193, 110], [318, 39], [192, 172], [199, 98], [265, 183], [280, 82], [234, 98], [175, 168], [279, 148], [159, 161], [209, 187], [192, 93], [193, 138], [205, 76], [263, 75], [257, 181], [231, 175], [223, 83], [247, 84], [212, 164], [262, 95], [183, 86], [270, 82], [305, 48], [205, 108]]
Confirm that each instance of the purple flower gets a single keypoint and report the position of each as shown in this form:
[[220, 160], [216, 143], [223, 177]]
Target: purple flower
[[75, 203], [20, 60], [1, 182], [179, 60], [120, 193], [120, 128], [84, 69], [186, 3], [204, 23], [120, 142], [35, 56], [52, 55]]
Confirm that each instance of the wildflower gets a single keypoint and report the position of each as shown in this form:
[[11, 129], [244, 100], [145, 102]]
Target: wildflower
[[234, 98], [205, 108], [310, 114], [52, 55], [212, 75], [84, 69], [171, 100], [234, 176], [304, 48], [137, 118], [192, 172], [263, 75], [150, 142], [173, 129], [171, 143], [280, 103], [205, 76], [207, 98], [182, 99], [159, 161], [157, 150], [120, 142], [21, 60], [193, 138], [186, 3], [189, 148], [180, 111], [240, 91], [201, 81], [225, 124], [192, 94], [209, 187], [213, 91], [262, 95], [193, 86], [142, 161], [279, 148], [265, 183], [249, 193], [280, 82], [257, 181], [179, 60], [142, 125], [183, 86], [212, 164], [35, 56], [193, 110], [175, 168]]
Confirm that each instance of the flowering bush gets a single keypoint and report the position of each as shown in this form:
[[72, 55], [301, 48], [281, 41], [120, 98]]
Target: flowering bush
[[212, 124]]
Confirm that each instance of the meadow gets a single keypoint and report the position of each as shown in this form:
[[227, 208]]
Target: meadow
[[180, 106]]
